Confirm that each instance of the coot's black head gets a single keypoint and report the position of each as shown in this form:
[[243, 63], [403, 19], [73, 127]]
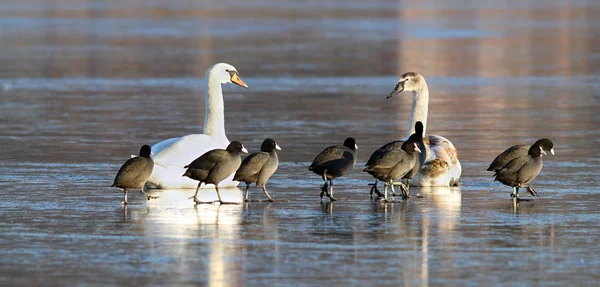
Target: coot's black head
[[541, 147], [145, 151], [410, 145], [418, 135], [419, 128], [236, 147], [546, 145], [269, 145], [350, 143]]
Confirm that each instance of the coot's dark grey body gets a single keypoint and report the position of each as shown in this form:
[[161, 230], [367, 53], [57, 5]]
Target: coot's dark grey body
[[397, 145], [522, 170], [333, 162], [259, 167], [214, 166], [511, 153], [135, 172], [420, 161], [392, 162]]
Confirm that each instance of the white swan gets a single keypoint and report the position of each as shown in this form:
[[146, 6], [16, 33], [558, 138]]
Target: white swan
[[441, 167], [173, 154]]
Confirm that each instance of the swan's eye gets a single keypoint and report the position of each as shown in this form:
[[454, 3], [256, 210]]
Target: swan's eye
[[232, 73]]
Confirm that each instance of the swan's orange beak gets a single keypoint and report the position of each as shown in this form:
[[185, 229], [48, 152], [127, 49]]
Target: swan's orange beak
[[236, 80]]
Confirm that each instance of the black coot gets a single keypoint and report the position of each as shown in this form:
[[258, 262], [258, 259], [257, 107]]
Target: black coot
[[258, 167], [397, 145], [333, 162], [214, 166], [521, 170], [390, 163], [135, 172]]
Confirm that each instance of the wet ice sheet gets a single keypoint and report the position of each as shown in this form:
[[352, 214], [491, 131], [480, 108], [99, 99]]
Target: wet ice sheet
[[469, 236], [84, 87]]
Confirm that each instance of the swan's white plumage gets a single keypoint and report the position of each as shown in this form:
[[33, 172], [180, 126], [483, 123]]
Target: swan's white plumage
[[173, 154], [441, 167]]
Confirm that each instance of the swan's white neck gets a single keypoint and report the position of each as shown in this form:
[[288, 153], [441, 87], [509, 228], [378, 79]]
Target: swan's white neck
[[214, 115], [418, 113]]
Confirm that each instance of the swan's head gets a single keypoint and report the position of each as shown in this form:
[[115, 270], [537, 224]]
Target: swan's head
[[410, 81], [225, 73]]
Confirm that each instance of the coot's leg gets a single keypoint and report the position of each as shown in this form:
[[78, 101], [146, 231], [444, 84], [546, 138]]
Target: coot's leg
[[266, 193], [125, 196], [148, 196], [196, 194], [375, 189], [247, 191]]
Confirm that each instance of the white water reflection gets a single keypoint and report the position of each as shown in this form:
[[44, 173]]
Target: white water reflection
[[447, 203], [209, 231], [436, 215]]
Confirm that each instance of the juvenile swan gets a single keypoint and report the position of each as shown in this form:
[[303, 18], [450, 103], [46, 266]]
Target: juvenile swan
[[173, 154], [441, 166]]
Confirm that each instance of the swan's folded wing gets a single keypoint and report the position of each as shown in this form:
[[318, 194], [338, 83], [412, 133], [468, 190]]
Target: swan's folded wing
[[442, 148], [163, 145], [180, 151], [441, 158]]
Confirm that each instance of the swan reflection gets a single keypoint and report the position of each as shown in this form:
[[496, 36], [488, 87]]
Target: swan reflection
[[208, 231], [434, 216], [176, 209], [181, 197]]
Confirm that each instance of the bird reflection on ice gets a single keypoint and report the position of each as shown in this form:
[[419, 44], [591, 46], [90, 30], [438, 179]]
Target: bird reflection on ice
[[175, 216], [437, 213]]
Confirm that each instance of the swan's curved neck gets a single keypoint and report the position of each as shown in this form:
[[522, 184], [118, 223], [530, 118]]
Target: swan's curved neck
[[418, 113], [214, 115]]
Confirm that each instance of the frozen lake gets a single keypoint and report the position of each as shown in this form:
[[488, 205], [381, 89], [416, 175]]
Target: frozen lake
[[83, 84]]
